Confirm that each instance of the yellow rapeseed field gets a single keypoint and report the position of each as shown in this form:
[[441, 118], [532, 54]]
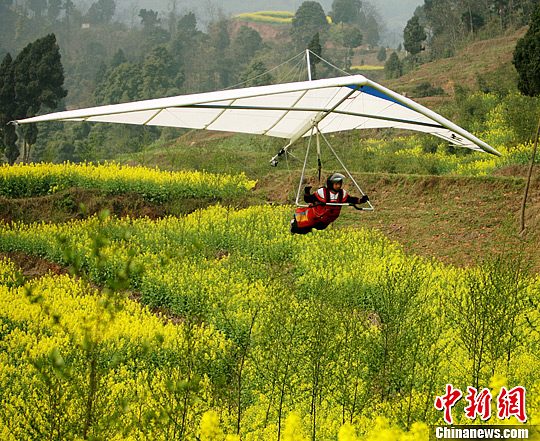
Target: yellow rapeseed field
[[248, 331]]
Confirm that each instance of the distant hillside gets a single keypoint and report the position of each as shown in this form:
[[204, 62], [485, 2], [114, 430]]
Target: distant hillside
[[490, 59], [394, 14], [268, 29], [271, 17]]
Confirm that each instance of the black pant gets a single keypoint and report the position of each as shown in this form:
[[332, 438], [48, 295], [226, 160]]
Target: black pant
[[295, 229]]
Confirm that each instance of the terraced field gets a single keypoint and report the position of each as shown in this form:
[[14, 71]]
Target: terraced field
[[221, 325]]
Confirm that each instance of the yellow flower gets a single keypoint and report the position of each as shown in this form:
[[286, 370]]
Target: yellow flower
[[347, 433], [209, 427], [293, 429]]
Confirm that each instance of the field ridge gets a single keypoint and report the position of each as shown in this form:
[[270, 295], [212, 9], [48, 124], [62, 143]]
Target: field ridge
[[450, 218]]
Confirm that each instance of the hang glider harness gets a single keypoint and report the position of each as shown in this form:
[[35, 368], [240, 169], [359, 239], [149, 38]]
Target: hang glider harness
[[314, 130]]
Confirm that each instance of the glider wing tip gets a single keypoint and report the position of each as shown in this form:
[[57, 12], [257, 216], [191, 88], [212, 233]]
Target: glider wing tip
[[494, 152]]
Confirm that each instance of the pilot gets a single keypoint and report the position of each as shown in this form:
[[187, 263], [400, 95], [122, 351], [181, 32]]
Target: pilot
[[318, 214]]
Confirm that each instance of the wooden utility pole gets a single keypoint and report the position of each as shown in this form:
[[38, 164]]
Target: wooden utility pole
[[529, 175]]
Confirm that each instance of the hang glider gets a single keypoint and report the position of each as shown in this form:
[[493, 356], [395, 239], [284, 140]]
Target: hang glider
[[289, 111]]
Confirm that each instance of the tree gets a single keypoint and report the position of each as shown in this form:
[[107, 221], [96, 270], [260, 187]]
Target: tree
[[9, 20], [8, 137], [149, 18], [256, 74], [527, 62], [369, 23], [246, 43], [187, 24], [118, 58], [37, 6], [308, 20], [441, 18], [69, 7], [157, 74], [472, 20], [66, 152], [381, 55], [39, 79], [186, 34], [393, 67], [352, 37], [101, 12], [4, 4], [527, 58], [413, 36], [53, 11], [315, 47], [122, 83], [220, 41], [346, 11], [219, 35]]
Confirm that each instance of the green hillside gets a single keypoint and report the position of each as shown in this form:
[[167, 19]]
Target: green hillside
[[489, 60], [270, 17], [455, 219]]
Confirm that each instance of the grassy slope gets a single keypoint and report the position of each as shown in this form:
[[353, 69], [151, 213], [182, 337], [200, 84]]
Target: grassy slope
[[486, 58], [458, 220]]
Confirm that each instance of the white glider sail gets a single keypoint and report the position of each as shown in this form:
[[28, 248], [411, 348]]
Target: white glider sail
[[287, 111]]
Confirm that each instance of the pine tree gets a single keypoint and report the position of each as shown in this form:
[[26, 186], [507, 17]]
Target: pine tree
[[413, 36], [8, 137], [38, 79], [527, 58], [308, 20], [393, 67]]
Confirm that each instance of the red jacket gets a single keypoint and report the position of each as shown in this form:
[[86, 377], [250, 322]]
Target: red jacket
[[326, 213], [319, 214]]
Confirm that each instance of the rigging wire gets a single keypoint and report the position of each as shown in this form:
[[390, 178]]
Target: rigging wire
[[304, 167], [298, 70], [330, 64], [302, 69], [347, 171], [264, 73], [292, 72], [297, 201]]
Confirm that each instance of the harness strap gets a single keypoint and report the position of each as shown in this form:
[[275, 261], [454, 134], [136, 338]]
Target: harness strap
[[328, 197]]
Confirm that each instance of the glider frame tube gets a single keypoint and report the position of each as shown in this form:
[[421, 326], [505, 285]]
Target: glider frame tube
[[297, 201]]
